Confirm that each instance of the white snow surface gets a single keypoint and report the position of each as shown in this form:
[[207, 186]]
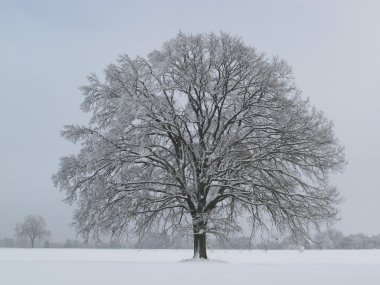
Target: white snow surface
[[163, 267]]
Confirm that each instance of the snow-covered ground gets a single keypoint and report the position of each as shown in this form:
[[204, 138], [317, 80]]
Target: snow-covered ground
[[163, 267]]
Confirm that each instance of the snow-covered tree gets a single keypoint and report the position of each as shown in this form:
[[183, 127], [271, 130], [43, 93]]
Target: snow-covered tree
[[32, 228], [194, 136]]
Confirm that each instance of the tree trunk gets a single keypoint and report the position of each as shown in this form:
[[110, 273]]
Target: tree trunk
[[32, 242], [200, 246], [199, 231]]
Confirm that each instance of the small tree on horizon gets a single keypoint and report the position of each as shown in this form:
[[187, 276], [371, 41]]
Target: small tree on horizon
[[192, 137], [33, 228]]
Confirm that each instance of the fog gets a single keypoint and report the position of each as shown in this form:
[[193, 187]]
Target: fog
[[49, 47]]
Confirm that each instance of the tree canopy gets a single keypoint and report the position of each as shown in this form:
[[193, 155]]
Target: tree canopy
[[33, 227], [199, 133]]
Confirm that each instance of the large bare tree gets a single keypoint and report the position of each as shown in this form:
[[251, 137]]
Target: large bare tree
[[201, 132]]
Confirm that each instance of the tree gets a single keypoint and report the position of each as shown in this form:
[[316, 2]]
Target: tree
[[194, 136], [329, 239], [33, 228]]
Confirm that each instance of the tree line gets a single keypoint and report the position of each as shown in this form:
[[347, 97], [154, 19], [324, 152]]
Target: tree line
[[328, 239]]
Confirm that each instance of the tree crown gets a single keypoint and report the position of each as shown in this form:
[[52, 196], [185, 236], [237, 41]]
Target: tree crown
[[195, 135]]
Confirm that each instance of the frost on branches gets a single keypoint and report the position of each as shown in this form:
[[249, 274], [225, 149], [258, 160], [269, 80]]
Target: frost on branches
[[194, 136]]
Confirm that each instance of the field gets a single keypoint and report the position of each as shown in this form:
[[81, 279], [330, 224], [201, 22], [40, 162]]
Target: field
[[165, 267]]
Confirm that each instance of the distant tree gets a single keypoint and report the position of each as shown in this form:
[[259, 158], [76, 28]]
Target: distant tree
[[33, 228], [241, 242], [155, 240], [329, 239], [201, 132], [359, 241], [69, 243], [7, 242]]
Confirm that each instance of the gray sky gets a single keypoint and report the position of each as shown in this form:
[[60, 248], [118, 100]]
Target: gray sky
[[47, 48]]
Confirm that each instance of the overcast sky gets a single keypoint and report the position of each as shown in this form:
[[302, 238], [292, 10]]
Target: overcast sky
[[47, 48]]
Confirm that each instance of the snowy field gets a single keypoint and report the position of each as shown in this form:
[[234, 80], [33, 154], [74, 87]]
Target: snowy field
[[164, 267]]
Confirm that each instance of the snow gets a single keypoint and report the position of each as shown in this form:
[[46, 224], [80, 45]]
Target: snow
[[159, 267]]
